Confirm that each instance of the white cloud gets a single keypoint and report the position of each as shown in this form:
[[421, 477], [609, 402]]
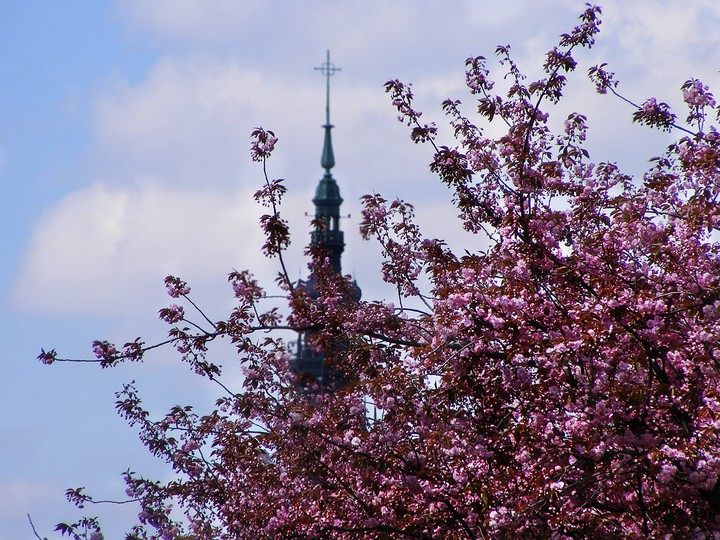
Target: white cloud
[[662, 43], [18, 496], [104, 250], [188, 122], [190, 19]]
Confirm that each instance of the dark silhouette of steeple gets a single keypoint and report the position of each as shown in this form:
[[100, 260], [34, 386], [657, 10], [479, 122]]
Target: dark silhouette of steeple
[[327, 198], [309, 362]]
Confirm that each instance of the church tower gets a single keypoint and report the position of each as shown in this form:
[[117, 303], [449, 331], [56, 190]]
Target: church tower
[[310, 363], [327, 198]]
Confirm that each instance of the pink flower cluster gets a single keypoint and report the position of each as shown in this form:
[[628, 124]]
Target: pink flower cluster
[[696, 94], [176, 287], [47, 357], [262, 145], [172, 314]]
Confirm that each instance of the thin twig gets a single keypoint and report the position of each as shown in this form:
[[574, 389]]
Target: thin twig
[[32, 526], [186, 297]]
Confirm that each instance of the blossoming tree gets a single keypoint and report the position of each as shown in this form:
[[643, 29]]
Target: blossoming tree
[[562, 383]]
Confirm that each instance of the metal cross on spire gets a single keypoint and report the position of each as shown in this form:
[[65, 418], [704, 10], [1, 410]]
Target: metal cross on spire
[[328, 69]]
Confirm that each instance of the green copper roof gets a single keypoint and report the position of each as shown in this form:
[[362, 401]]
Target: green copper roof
[[327, 193], [328, 156]]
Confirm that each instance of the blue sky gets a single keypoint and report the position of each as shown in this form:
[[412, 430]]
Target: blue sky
[[124, 133]]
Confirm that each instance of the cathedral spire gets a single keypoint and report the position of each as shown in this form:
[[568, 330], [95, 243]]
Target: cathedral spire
[[327, 198], [310, 362], [328, 157]]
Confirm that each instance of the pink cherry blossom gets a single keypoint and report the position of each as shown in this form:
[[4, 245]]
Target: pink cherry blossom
[[557, 378]]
